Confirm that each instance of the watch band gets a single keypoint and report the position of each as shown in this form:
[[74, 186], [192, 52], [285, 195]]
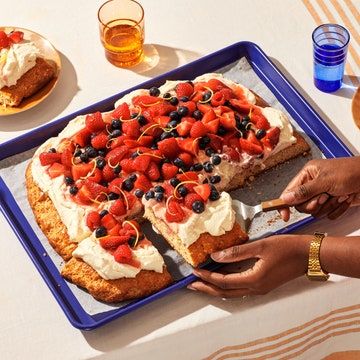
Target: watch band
[[315, 272]]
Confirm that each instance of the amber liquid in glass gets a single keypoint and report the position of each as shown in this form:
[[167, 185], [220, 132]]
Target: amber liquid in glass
[[123, 41]]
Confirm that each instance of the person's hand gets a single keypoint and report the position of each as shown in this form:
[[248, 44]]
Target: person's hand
[[324, 187], [279, 258]]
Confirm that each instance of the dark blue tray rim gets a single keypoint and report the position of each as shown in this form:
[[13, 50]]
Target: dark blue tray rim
[[295, 104]]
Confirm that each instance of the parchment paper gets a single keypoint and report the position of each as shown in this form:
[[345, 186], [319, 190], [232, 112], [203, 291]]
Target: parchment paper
[[266, 186]]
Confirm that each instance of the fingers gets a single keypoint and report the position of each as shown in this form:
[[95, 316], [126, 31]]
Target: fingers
[[285, 214], [340, 209], [313, 205], [215, 291], [235, 253]]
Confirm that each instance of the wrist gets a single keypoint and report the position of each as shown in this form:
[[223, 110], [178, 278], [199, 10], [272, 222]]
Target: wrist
[[302, 250]]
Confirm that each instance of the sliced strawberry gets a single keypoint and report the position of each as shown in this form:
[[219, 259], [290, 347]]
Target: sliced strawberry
[[260, 121], [81, 170], [131, 128], [216, 142], [158, 110], [162, 120], [169, 190], [218, 99], [146, 100], [99, 141], [16, 36], [66, 144], [118, 208], [48, 158], [127, 165], [56, 170], [203, 190], [94, 122], [66, 158], [122, 111], [184, 89], [169, 171], [82, 137], [116, 142], [232, 153], [189, 145], [116, 155], [93, 190], [208, 116], [188, 176], [112, 242], [93, 220], [250, 147], [271, 139], [108, 221], [169, 148], [241, 105], [184, 127], [115, 185], [186, 158], [191, 198], [204, 108], [153, 172], [198, 130], [108, 173], [189, 104], [145, 140], [174, 212], [4, 40], [227, 120], [213, 126], [142, 183], [128, 227], [141, 162], [114, 231], [227, 93], [215, 85]]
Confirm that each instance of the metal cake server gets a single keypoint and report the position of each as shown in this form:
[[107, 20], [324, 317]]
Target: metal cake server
[[246, 213]]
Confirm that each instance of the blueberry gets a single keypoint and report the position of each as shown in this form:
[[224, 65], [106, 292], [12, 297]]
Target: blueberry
[[154, 146], [183, 111], [159, 189], [197, 114], [103, 213], [198, 207], [134, 115], [134, 155], [69, 180], [198, 167], [101, 153], [100, 163], [149, 194], [209, 152], [208, 167], [174, 133], [179, 163], [167, 96], [221, 131], [182, 190], [117, 169], [246, 118], [174, 115], [84, 157], [116, 124], [91, 152], [172, 124], [184, 98], [154, 91], [203, 142], [132, 240], [205, 181], [165, 135], [116, 133], [159, 197], [215, 179], [77, 153], [132, 177], [100, 231], [174, 101], [260, 134], [139, 193], [142, 120], [52, 150], [104, 183], [127, 185], [113, 196], [73, 190], [206, 96], [214, 194], [216, 159], [174, 182]]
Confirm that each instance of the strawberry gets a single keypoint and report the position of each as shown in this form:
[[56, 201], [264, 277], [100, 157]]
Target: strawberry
[[188, 176], [123, 255], [158, 110], [168, 171], [116, 155], [56, 170], [108, 221], [169, 190], [4, 40], [241, 105], [191, 198], [189, 104], [16, 36], [108, 173], [203, 190], [146, 140], [131, 129], [143, 243], [169, 147], [81, 170], [204, 108], [66, 144], [232, 153], [185, 126], [162, 120], [94, 122], [93, 220], [142, 183], [218, 99], [66, 158], [208, 116], [94, 190], [118, 208], [82, 137], [189, 145], [198, 130], [227, 93], [184, 89], [249, 147], [216, 85], [213, 126], [174, 212], [186, 158], [116, 142], [127, 226], [146, 100], [112, 242], [127, 165], [141, 162], [48, 158], [271, 138], [115, 185], [121, 112], [99, 141], [114, 231], [260, 121], [227, 120], [153, 172], [216, 142]]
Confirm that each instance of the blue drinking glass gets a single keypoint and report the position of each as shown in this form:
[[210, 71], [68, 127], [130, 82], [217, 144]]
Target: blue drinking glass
[[330, 44]]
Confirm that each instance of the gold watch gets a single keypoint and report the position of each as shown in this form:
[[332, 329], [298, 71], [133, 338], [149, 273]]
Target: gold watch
[[315, 272]]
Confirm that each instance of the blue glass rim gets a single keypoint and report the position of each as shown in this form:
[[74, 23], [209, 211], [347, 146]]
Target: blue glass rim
[[344, 30]]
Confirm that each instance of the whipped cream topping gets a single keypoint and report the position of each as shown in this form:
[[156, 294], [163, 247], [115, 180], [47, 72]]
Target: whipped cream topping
[[217, 219], [16, 61], [90, 251]]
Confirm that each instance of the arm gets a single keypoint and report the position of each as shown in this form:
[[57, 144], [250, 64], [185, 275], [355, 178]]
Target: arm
[[279, 259]]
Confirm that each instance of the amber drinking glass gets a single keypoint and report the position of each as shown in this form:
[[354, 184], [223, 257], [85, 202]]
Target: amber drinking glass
[[121, 24]]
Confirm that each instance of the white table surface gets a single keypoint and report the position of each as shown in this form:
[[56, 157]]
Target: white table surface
[[184, 325]]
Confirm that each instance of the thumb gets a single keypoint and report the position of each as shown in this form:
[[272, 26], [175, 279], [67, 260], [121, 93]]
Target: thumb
[[302, 193], [235, 253]]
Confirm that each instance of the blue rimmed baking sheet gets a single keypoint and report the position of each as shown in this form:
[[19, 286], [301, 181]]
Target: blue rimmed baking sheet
[[275, 87]]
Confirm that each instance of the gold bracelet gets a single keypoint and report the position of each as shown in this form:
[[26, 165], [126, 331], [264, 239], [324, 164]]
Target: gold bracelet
[[315, 272]]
